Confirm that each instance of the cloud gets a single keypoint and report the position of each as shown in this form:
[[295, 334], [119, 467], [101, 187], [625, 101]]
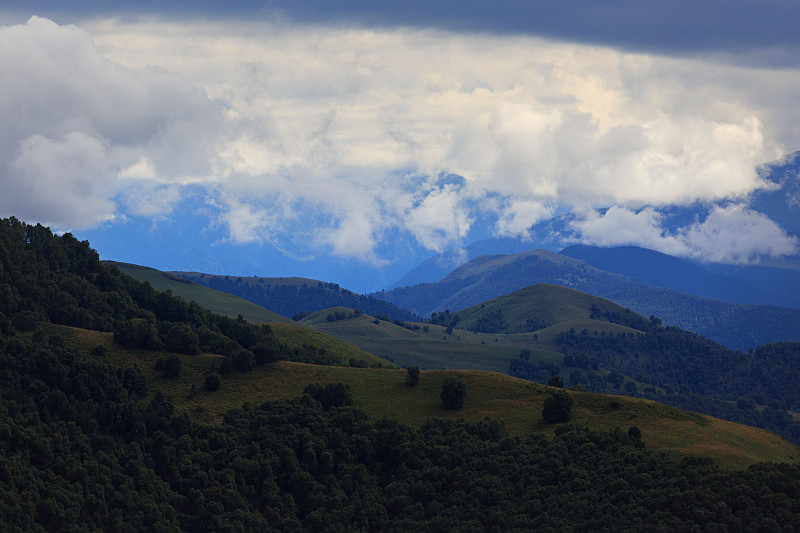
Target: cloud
[[330, 137], [439, 219], [729, 234], [735, 234], [74, 122]]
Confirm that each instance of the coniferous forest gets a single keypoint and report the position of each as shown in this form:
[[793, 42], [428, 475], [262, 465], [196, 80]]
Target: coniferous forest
[[88, 446]]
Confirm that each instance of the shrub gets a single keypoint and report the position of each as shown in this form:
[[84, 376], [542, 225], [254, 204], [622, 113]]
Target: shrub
[[454, 392], [330, 395], [212, 382], [557, 408], [169, 366], [412, 378], [99, 351]]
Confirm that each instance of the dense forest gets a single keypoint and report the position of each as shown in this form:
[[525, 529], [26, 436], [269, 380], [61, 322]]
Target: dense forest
[[86, 446], [296, 300]]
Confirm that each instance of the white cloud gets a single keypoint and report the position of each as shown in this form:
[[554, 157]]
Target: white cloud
[[439, 219], [621, 226], [334, 127], [518, 216], [735, 234], [730, 234], [74, 122]]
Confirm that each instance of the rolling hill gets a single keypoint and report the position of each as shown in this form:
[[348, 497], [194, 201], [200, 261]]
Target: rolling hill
[[125, 408], [216, 301], [738, 326], [383, 393], [294, 296]]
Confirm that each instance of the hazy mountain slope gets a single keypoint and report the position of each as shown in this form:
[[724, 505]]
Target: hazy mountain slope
[[545, 235], [291, 296], [730, 283], [737, 326]]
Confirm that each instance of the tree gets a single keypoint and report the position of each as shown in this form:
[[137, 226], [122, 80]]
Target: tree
[[454, 392], [212, 382], [244, 360], [555, 381], [412, 378], [181, 338], [635, 435], [169, 366], [99, 351], [557, 408]]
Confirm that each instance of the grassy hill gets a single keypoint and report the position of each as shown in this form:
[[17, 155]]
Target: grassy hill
[[383, 393], [215, 301], [431, 346], [538, 307]]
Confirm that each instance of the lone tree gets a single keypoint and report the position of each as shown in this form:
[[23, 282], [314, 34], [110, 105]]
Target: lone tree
[[412, 378], [212, 381], [555, 381], [557, 408], [454, 391]]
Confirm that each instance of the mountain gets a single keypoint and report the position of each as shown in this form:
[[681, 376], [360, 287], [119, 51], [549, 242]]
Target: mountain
[[731, 283], [546, 235], [295, 296], [779, 201], [738, 326]]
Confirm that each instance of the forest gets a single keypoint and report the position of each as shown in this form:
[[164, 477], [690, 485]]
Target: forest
[[87, 446]]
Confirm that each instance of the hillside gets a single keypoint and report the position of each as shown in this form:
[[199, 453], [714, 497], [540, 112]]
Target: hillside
[[383, 393], [125, 408], [219, 302], [738, 326], [294, 296], [539, 307]]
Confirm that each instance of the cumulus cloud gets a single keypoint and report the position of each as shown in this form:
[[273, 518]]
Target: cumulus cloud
[[735, 234], [328, 135], [74, 122], [729, 234]]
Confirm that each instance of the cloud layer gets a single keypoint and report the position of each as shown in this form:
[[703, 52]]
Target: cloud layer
[[730, 234], [335, 138]]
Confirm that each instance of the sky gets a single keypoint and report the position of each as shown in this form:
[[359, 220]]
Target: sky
[[349, 141]]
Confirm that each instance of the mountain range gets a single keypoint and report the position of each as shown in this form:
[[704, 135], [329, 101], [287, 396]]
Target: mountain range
[[646, 289]]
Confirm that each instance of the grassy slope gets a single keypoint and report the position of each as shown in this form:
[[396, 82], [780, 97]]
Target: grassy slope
[[435, 349], [550, 303], [383, 393], [215, 301]]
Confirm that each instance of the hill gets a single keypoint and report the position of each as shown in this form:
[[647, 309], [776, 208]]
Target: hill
[[294, 296], [738, 326], [219, 302], [115, 417], [383, 393]]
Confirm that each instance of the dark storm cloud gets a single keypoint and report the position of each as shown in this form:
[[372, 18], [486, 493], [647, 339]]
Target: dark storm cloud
[[764, 31]]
